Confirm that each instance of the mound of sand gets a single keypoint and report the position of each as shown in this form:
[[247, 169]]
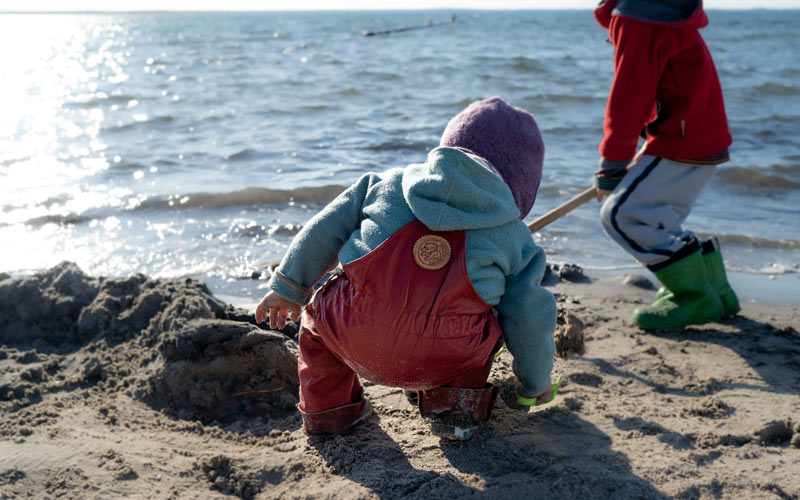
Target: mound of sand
[[168, 343], [139, 387]]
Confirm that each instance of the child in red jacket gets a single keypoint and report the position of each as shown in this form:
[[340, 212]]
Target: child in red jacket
[[665, 89]]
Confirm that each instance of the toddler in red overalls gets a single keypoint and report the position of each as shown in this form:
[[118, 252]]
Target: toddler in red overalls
[[438, 270]]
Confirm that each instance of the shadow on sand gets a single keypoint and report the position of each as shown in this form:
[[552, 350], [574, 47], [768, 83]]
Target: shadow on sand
[[551, 454], [772, 352]]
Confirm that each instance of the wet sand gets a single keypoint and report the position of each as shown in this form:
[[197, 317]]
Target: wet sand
[[135, 387]]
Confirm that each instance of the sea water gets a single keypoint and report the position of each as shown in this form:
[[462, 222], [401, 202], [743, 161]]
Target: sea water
[[197, 144]]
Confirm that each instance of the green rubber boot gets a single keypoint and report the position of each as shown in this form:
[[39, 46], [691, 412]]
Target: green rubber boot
[[715, 268], [691, 299]]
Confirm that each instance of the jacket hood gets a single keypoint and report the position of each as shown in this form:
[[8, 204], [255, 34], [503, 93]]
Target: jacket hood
[[682, 14], [452, 190]]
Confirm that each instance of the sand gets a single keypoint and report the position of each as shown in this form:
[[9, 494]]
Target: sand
[[143, 388]]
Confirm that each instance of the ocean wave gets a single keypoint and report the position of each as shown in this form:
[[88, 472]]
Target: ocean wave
[[524, 64], [771, 270], [61, 220], [378, 75], [774, 88], [249, 196], [317, 107], [457, 105], [348, 92], [563, 98], [756, 241], [120, 128], [99, 100], [204, 201], [521, 64], [762, 120], [156, 120], [757, 179], [565, 131], [793, 169], [271, 230], [244, 154], [124, 165], [10, 161], [789, 72], [620, 267], [166, 162], [400, 146], [551, 189]]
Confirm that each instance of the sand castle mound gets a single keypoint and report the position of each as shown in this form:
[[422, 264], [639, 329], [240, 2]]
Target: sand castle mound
[[221, 369], [169, 343]]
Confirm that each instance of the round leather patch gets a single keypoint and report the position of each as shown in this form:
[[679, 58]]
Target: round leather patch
[[431, 252]]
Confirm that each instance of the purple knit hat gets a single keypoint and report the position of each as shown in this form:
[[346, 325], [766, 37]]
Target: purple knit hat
[[508, 138]]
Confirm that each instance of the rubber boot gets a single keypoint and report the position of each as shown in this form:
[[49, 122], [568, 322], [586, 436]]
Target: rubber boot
[[412, 397], [336, 420], [455, 413], [715, 267], [691, 299]]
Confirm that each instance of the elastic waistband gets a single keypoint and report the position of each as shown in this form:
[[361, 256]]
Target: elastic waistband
[[714, 159]]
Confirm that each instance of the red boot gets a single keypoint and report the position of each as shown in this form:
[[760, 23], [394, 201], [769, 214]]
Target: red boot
[[455, 413], [336, 420]]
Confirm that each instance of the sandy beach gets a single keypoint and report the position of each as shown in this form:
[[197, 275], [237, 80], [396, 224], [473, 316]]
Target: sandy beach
[[152, 388]]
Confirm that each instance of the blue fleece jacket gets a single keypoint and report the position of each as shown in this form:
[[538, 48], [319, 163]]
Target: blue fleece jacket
[[452, 190]]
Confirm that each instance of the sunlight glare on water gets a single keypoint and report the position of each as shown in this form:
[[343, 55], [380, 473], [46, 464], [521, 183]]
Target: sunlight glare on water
[[47, 64], [178, 144]]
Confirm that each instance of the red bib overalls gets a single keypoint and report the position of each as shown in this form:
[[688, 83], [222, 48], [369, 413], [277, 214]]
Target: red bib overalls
[[404, 315]]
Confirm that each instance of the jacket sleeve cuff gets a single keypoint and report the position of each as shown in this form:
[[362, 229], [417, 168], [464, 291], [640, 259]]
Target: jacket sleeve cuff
[[613, 167], [605, 183], [288, 289], [610, 173]]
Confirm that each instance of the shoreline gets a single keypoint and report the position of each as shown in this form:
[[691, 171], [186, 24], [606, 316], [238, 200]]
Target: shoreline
[[778, 289], [770, 290]]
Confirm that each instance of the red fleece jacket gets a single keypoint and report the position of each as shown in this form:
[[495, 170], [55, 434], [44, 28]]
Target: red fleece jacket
[[664, 80]]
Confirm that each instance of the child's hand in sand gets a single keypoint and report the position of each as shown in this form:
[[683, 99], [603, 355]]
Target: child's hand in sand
[[277, 308]]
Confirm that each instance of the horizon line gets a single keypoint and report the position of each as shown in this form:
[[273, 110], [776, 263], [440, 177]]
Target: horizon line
[[396, 9]]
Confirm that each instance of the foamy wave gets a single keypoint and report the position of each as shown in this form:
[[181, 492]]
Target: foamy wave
[[249, 196], [100, 99], [770, 270], [621, 267], [254, 230], [204, 201], [758, 242]]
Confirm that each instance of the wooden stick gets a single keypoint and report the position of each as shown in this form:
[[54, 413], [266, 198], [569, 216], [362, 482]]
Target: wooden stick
[[574, 202], [562, 209]]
